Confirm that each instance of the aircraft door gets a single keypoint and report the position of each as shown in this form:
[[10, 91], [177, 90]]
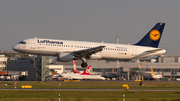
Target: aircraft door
[[33, 44], [134, 51]]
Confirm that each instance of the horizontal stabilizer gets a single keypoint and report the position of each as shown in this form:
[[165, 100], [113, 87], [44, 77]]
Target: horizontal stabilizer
[[158, 51], [153, 51]]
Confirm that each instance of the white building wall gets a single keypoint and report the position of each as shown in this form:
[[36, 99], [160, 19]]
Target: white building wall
[[3, 62]]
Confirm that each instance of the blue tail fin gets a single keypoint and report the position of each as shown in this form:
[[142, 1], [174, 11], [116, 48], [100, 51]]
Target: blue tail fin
[[153, 37]]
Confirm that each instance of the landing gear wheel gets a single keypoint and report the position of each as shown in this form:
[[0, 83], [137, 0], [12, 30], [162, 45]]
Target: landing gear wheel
[[83, 65]]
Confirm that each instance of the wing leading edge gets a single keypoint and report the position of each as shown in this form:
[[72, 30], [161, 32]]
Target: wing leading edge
[[88, 52]]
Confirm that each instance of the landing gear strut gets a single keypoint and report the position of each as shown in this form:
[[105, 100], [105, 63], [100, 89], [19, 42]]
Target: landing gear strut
[[84, 63]]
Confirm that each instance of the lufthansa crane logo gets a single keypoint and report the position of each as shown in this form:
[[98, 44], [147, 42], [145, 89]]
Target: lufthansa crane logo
[[154, 35]]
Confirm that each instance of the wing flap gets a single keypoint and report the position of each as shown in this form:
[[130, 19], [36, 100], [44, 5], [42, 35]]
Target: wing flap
[[88, 52]]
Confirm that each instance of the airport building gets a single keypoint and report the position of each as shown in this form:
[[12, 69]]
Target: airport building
[[3, 62], [21, 69], [32, 68], [42, 68], [168, 66]]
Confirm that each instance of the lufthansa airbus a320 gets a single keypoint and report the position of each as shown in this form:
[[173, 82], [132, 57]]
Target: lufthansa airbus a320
[[66, 50]]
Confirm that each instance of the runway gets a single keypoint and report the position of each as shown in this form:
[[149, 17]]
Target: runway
[[33, 89]]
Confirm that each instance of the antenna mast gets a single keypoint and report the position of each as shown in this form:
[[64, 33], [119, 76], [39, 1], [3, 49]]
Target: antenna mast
[[117, 39]]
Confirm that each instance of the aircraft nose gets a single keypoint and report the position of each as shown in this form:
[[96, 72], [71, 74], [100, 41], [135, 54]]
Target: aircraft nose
[[15, 47]]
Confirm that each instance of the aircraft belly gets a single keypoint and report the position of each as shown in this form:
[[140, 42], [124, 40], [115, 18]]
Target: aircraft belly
[[115, 55], [49, 53]]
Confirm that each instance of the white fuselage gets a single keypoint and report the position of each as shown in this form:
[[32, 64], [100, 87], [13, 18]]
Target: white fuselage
[[80, 77], [157, 76], [51, 47]]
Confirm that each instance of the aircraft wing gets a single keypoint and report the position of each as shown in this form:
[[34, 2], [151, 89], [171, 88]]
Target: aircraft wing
[[88, 52]]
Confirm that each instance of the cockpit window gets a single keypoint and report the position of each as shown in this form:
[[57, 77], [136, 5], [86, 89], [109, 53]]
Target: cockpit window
[[22, 42]]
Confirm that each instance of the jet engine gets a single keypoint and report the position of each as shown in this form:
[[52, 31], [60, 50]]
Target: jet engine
[[65, 57]]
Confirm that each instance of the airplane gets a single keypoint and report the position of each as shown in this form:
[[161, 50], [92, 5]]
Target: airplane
[[155, 76], [86, 72], [84, 75], [66, 50], [81, 77], [56, 75]]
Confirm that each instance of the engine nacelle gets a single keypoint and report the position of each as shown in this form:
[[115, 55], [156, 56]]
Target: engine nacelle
[[65, 57]]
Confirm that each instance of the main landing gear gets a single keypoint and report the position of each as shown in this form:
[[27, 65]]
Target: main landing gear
[[84, 63]]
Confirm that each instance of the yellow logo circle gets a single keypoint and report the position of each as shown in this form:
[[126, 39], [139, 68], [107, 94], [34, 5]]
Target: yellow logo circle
[[154, 35]]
